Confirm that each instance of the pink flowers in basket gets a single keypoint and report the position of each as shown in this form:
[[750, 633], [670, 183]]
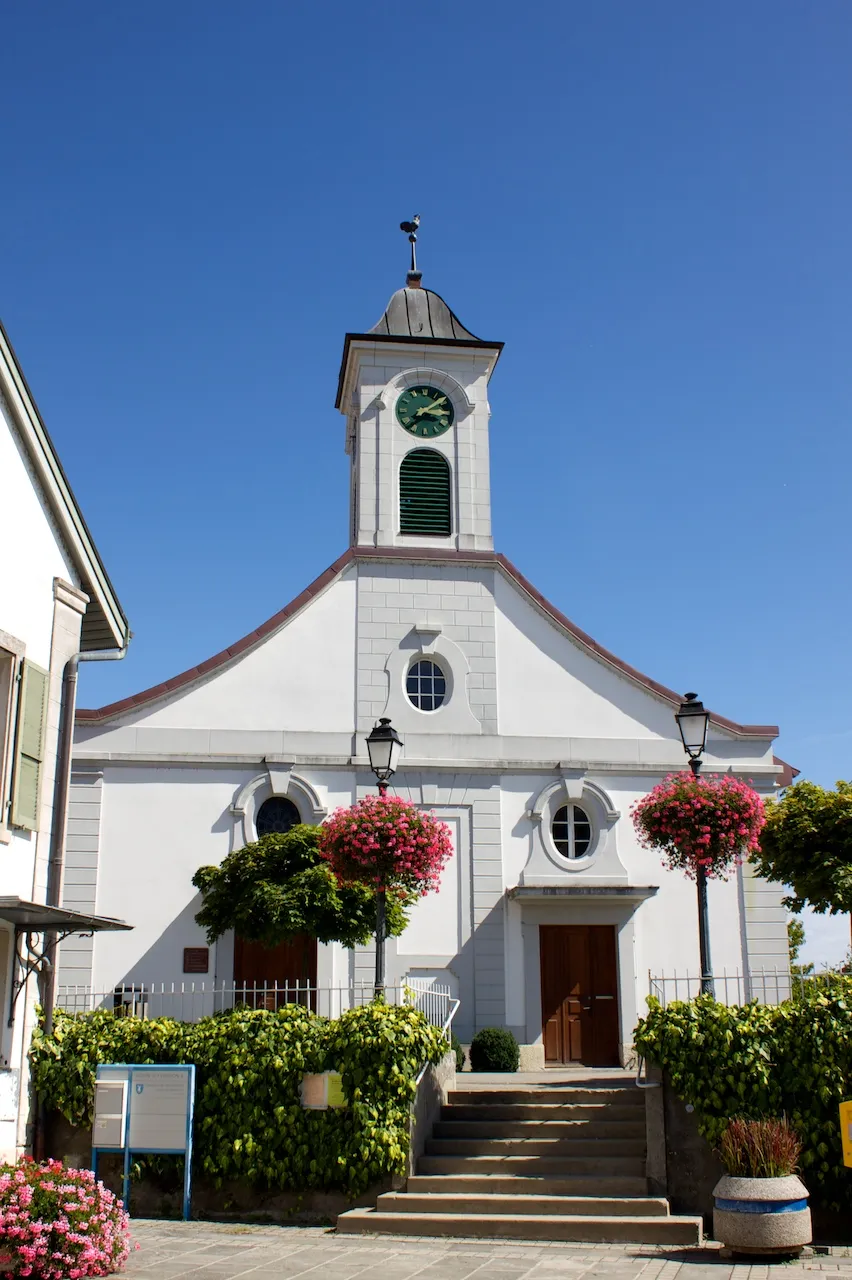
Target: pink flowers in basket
[[709, 822], [385, 841], [58, 1223]]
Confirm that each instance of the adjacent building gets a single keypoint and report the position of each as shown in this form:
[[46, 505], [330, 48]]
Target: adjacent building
[[57, 607]]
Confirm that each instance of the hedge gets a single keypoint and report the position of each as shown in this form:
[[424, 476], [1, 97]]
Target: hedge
[[249, 1122], [793, 1059]]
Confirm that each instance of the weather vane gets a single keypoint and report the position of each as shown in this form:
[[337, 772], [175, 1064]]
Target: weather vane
[[410, 229]]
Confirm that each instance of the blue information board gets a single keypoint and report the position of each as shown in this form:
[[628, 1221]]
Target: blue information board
[[145, 1109]]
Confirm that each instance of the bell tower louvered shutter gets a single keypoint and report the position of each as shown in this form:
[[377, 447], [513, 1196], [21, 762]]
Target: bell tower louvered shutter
[[424, 493], [29, 747]]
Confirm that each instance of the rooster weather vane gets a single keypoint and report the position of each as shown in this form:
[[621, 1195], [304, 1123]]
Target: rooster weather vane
[[410, 229]]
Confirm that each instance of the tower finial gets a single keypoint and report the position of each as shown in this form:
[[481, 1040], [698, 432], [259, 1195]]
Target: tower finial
[[410, 228]]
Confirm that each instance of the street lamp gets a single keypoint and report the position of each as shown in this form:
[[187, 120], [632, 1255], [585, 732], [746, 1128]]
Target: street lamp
[[383, 747], [692, 721]]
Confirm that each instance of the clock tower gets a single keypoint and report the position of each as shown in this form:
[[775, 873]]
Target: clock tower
[[414, 392]]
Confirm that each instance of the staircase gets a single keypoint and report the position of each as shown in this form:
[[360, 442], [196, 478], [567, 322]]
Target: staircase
[[533, 1163]]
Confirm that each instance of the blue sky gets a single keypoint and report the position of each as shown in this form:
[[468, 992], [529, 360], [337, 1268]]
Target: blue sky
[[649, 203]]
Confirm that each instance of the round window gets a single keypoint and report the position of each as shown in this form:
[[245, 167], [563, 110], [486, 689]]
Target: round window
[[571, 831], [426, 685], [276, 815]]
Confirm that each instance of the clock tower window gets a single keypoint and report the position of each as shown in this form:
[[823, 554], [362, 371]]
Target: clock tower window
[[424, 493]]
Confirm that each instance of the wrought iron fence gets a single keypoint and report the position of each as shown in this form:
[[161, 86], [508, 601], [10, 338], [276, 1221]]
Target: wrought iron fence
[[190, 1001], [767, 986]]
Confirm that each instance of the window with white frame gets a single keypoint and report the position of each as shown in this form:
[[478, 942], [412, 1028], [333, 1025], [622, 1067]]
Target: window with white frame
[[571, 830], [426, 685]]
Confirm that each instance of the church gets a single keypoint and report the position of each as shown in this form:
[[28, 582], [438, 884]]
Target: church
[[524, 735]]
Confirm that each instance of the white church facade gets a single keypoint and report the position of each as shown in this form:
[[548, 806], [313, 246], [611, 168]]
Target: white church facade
[[525, 736]]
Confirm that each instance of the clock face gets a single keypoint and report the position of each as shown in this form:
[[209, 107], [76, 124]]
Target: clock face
[[424, 411]]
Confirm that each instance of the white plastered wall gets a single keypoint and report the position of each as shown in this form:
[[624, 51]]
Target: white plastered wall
[[41, 607]]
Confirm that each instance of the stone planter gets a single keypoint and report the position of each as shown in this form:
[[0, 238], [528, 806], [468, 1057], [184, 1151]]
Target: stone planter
[[762, 1215]]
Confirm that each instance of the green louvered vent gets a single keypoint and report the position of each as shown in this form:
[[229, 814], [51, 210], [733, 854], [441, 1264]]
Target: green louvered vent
[[424, 493]]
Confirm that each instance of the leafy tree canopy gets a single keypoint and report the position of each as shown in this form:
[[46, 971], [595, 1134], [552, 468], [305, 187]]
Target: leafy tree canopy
[[806, 844], [278, 887]]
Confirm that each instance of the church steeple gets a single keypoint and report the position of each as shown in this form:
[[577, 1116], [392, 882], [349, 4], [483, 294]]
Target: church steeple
[[414, 390]]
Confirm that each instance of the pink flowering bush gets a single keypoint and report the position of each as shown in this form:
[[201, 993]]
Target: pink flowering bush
[[709, 822], [58, 1223], [386, 842]]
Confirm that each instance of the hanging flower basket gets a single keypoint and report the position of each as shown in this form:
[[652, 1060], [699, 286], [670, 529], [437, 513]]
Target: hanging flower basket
[[386, 842], [711, 822]]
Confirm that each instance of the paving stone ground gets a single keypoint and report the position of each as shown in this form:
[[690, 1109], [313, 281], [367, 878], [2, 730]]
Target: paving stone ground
[[179, 1250]]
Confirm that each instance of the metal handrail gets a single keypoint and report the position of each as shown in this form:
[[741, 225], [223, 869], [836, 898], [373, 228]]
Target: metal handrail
[[445, 1030], [647, 1084]]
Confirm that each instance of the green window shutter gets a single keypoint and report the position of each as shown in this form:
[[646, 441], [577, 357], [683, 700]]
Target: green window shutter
[[424, 493], [29, 746]]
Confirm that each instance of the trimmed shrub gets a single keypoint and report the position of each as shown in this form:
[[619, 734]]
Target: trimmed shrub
[[494, 1049], [58, 1223]]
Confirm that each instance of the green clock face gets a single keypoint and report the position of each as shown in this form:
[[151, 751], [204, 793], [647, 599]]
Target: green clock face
[[424, 411]]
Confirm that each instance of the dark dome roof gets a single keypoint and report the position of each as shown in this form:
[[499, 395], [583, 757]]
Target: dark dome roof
[[415, 312]]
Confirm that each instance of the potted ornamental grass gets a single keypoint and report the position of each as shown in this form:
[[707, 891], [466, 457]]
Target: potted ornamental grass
[[58, 1223], [761, 1205]]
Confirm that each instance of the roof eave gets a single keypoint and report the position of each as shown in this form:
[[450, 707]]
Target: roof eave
[[451, 344]]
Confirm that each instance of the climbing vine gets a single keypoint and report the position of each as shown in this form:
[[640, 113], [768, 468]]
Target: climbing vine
[[250, 1123], [793, 1059]]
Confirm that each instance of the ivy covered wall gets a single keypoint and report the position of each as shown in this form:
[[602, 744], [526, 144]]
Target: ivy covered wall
[[249, 1121]]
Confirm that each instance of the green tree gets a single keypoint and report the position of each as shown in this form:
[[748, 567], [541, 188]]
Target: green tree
[[806, 844], [278, 887], [796, 940]]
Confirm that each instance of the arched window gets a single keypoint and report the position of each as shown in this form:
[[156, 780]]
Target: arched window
[[571, 831], [424, 493], [276, 815]]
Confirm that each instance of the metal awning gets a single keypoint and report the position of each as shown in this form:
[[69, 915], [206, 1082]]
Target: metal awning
[[35, 917], [33, 921], [620, 892]]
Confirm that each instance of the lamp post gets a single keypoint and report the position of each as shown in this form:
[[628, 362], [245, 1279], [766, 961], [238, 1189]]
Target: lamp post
[[692, 721], [383, 747]]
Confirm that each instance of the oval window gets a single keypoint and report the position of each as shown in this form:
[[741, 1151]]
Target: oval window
[[276, 816], [426, 685], [571, 831]]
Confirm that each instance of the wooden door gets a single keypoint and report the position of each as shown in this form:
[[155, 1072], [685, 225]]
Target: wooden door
[[579, 994], [270, 977]]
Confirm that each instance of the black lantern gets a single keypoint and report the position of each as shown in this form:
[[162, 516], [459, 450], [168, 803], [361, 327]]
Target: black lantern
[[384, 745], [692, 720]]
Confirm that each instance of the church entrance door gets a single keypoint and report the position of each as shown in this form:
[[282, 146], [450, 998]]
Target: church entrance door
[[579, 994], [270, 977]]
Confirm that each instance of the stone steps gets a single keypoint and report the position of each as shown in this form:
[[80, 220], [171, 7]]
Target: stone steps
[[491, 1127], [569, 1095], [596, 1229], [557, 1166], [508, 1185], [537, 1163], [612, 1148], [488, 1202], [554, 1113]]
